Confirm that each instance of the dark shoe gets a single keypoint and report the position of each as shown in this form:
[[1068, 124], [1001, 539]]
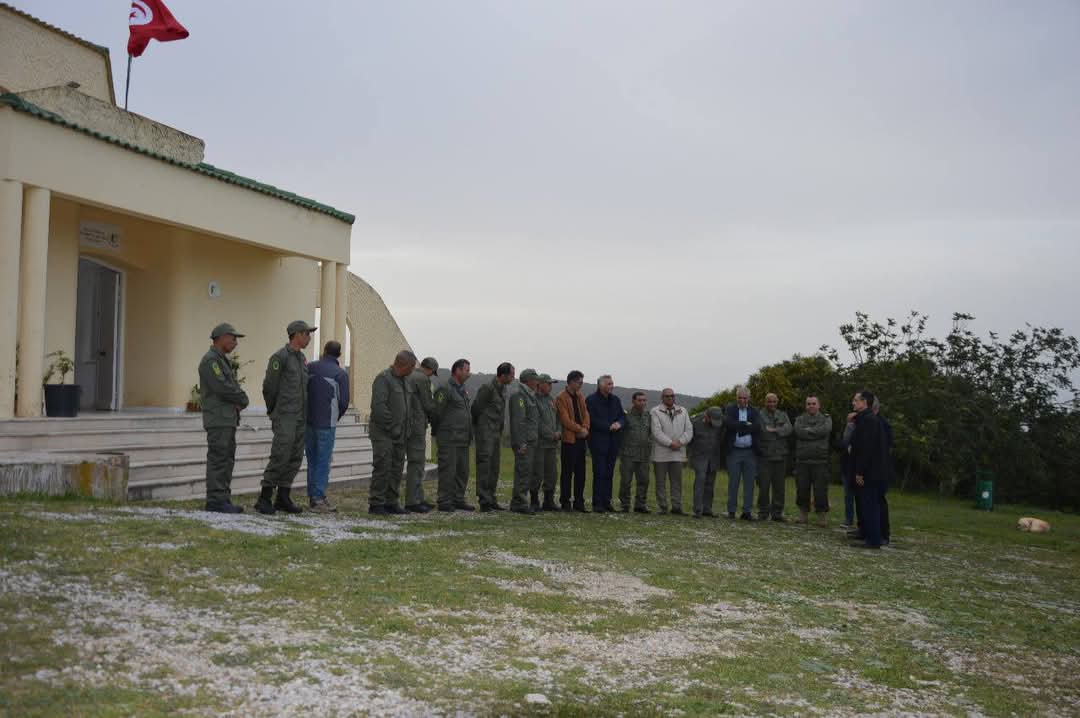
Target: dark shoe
[[697, 516], [446, 508], [678, 512], [426, 506], [580, 508], [223, 507], [549, 506], [487, 509], [746, 516], [376, 509], [762, 517], [395, 509], [265, 504], [567, 507], [625, 510], [710, 514], [642, 510], [535, 506], [855, 535], [495, 507], [610, 509], [284, 502], [417, 508], [779, 518], [598, 509], [731, 514], [525, 510], [462, 506]]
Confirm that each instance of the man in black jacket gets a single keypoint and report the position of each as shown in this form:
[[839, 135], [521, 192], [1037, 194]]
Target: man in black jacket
[[743, 425], [870, 467]]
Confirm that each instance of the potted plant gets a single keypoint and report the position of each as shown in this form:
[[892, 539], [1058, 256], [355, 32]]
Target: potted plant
[[61, 399], [194, 403]]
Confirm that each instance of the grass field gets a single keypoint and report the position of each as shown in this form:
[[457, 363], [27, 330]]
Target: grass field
[[158, 609]]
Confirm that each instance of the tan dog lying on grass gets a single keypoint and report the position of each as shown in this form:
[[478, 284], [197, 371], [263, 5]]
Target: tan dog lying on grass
[[1035, 526]]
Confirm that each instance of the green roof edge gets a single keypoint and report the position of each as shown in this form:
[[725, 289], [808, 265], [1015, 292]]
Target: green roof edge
[[20, 105]]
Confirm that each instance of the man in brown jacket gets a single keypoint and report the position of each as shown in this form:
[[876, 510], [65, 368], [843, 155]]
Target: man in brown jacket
[[574, 419]]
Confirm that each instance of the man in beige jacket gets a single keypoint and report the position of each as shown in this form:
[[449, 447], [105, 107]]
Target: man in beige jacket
[[671, 432]]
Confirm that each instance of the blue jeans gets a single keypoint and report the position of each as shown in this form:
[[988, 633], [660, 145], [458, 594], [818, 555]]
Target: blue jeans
[[319, 445], [741, 465]]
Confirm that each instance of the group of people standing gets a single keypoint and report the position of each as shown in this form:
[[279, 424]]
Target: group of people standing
[[551, 432], [547, 433]]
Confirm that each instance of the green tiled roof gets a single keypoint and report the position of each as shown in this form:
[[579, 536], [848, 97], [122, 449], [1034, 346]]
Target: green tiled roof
[[20, 105]]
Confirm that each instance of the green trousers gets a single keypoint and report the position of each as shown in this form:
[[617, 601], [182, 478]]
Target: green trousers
[[453, 474], [220, 458], [487, 467], [387, 464], [629, 471], [545, 466], [416, 456], [523, 473], [771, 483], [286, 451], [812, 477]]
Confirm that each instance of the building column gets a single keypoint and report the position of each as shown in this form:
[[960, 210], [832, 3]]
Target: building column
[[341, 303], [327, 303], [11, 201], [33, 273]]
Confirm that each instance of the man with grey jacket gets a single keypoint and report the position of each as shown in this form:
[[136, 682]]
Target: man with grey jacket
[[671, 432], [812, 431]]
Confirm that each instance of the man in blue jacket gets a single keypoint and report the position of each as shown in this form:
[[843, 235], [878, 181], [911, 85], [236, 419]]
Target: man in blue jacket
[[607, 420], [743, 424], [328, 399]]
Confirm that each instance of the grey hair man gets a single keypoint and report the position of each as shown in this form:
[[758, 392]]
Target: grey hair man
[[743, 425]]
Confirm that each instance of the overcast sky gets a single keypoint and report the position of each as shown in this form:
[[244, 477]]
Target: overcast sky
[[673, 192]]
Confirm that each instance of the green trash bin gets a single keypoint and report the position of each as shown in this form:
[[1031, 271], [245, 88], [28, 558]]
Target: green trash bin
[[984, 490]]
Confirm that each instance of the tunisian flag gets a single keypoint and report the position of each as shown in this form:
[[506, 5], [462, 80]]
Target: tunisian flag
[[151, 20]]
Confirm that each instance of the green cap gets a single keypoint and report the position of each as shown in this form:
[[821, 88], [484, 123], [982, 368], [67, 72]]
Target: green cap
[[528, 375], [545, 379], [430, 363], [716, 414], [299, 326], [222, 329]]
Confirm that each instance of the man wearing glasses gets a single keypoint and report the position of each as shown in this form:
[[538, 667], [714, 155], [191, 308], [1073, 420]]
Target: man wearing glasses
[[671, 432]]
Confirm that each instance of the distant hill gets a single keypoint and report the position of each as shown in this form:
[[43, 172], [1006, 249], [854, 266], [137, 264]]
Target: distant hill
[[624, 393]]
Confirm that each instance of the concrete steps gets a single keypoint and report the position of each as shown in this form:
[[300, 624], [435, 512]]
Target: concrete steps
[[167, 452]]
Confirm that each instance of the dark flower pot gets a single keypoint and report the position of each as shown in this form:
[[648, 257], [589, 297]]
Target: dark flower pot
[[62, 399]]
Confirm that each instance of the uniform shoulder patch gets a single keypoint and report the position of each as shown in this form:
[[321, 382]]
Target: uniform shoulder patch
[[275, 364], [440, 397], [521, 402], [217, 369]]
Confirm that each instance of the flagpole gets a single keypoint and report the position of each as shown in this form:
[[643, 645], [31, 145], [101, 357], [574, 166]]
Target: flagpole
[[127, 84]]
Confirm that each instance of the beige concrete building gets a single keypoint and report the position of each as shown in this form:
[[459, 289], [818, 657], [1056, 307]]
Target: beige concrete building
[[121, 247]]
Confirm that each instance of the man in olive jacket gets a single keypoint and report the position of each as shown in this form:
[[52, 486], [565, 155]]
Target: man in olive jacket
[[635, 455], [422, 411], [812, 431], [222, 401], [389, 429], [453, 432], [524, 434], [284, 390], [706, 451], [547, 446], [489, 411], [772, 469]]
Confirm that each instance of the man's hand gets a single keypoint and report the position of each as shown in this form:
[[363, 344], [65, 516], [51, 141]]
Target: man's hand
[[583, 434], [771, 429], [556, 436], [860, 481], [851, 417], [615, 426], [676, 444], [523, 450]]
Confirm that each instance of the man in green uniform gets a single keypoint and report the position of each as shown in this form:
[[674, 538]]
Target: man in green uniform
[[389, 430], [222, 401], [706, 451], [635, 455], [285, 392], [812, 431], [422, 411], [547, 446], [772, 469], [524, 434], [453, 432], [489, 410]]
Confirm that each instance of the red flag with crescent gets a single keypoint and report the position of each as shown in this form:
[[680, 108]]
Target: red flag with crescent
[[151, 20]]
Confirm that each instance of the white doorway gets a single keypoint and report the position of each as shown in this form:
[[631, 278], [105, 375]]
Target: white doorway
[[97, 335]]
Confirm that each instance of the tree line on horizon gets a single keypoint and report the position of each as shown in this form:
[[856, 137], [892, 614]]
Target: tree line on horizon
[[962, 407]]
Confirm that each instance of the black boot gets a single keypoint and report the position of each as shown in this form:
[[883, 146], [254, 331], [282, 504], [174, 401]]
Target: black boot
[[285, 503], [534, 500], [265, 503], [549, 503]]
